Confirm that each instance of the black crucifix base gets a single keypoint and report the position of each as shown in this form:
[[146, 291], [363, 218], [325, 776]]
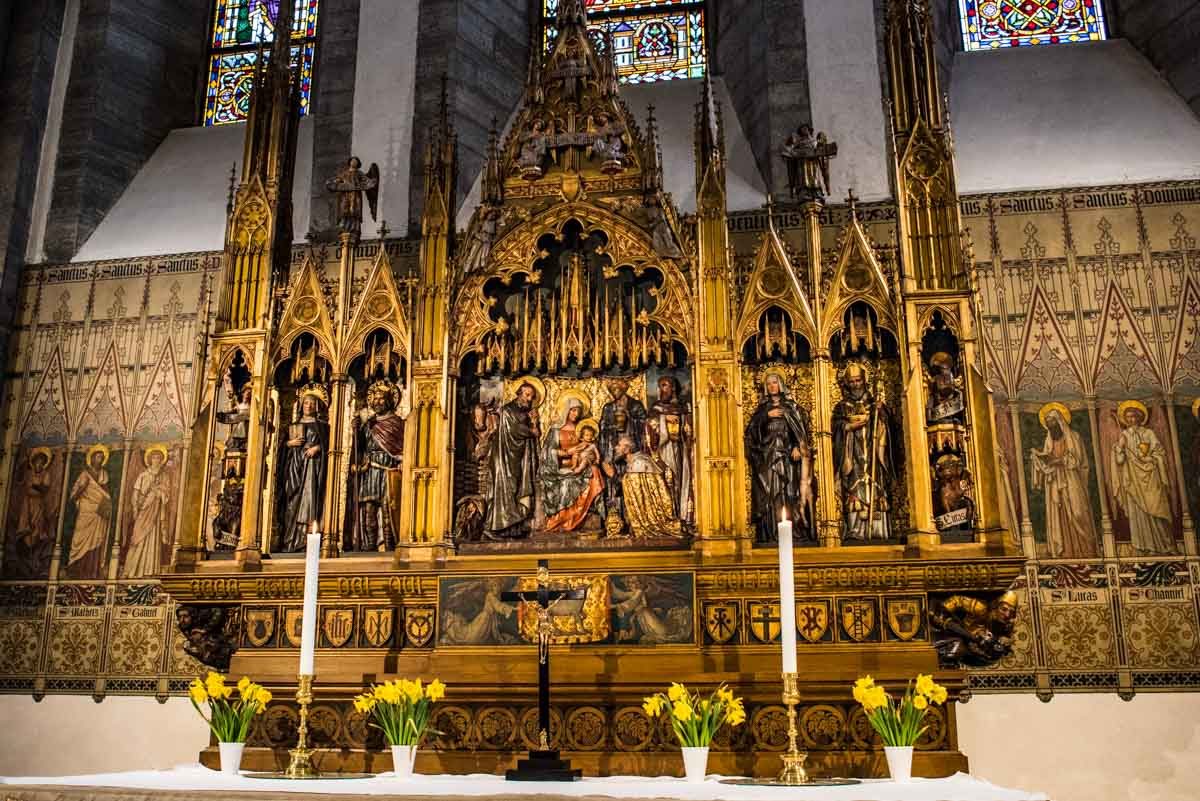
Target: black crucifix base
[[543, 764]]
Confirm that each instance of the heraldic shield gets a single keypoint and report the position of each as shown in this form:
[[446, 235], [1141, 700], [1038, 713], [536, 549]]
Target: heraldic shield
[[418, 626], [377, 626], [721, 621], [859, 619], [812, 619], [904, 618], [291, 626], [260, 626], [764, 621], [337, 625]]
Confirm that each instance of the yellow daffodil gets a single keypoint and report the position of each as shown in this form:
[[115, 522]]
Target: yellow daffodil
[[865, 683], [677, 692], [262, 697], [725, 694], [736, 716], [938, 695], [920, 701], [859, 694], [874, 698], [215, 684], [414, 691], [924, 684], [196, 692], [705, 705], [682, 711], [435, 690], [364, 703], [653, 705]]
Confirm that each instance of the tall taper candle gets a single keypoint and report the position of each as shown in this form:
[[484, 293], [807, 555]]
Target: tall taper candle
[[308, 623], [787, 595]]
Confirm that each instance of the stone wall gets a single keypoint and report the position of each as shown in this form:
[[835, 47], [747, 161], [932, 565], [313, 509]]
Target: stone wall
[[136, 75], [1168, 32]]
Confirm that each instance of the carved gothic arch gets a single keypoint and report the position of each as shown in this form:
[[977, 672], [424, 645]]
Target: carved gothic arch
[[305, 312], [857, 275], [379, 307], [773, 282], [515, 252]]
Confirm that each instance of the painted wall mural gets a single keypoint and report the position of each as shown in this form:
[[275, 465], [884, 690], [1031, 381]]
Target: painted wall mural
[[1090, 309]]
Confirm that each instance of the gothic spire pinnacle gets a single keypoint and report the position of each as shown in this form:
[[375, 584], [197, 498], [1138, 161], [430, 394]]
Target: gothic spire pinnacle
[[652, 174], [493, 175]]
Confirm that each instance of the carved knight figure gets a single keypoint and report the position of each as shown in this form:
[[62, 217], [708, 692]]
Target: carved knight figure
[[779, 449], [862, 458], [378, 461], [968, 631], [304, 471], [349, 185]]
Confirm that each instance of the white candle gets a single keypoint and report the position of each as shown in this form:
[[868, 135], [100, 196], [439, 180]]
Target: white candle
[[787, 595], [308, 623]]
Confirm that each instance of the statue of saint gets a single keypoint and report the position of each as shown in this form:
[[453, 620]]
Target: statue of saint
[[379, 451], [622, 416], [807, 154], [304, 471], [534, 147], [669, 437], [238, 420], [513, 466], [648, 509], [779, 449], [607, 144], [945, 404], [350, 184], [862, 458], [953, 508]]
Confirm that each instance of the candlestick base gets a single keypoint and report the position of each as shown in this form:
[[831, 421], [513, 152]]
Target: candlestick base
[[301, 766], [793, 772]]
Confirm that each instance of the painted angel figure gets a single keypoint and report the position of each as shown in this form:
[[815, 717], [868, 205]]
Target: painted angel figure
[[350, 184]]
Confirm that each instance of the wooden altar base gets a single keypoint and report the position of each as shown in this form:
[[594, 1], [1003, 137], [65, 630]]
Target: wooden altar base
[[851, 764]]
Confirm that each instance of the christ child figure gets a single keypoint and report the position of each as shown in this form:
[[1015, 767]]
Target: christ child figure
[[584, 454]]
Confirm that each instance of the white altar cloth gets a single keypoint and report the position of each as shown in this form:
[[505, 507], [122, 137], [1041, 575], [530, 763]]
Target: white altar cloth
[[959, 787]]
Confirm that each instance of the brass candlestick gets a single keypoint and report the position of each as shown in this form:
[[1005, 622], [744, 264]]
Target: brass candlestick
[[793, 772], [301, 766]]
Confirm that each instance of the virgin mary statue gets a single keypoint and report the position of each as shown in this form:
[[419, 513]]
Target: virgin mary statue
[[571, 479]]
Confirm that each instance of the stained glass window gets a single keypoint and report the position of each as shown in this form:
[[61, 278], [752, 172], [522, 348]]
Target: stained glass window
[[241, 28], [990, 24], [653, 40]]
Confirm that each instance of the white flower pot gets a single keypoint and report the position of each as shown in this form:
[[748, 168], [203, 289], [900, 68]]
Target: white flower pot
[[403, 758], [899, 759], [695, 763], [231, 757]]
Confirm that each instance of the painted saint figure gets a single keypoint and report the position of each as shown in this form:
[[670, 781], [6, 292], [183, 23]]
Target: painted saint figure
[[1060, 468], [31, 544], [151, 529], [862, 458], [349, 185], [379, 444], [93, 515], [622, 416], [669, 437], [1138, 467], [513, 466], [779, 449], [305, 468]]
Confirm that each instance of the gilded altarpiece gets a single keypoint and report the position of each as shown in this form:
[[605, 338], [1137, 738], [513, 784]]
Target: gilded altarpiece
[[577, 306]]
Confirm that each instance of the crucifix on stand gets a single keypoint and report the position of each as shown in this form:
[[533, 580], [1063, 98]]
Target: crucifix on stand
[[543, 764]]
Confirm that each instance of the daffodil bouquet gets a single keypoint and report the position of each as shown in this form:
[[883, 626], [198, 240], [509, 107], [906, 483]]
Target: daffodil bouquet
[[228, 717], [696, 719], [401, 708], [899, 722]]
